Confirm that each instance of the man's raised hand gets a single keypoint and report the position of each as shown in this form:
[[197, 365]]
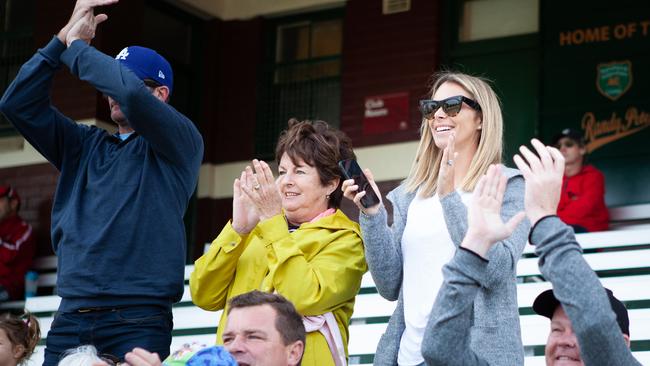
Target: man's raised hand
[[81, 9], [84, 28]]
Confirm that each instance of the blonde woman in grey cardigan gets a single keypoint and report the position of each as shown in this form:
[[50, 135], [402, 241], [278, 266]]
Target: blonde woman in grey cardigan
[[461, 136], [595, 333]]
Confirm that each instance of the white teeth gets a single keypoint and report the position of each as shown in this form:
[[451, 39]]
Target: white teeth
[[443, 128], [290, 194]]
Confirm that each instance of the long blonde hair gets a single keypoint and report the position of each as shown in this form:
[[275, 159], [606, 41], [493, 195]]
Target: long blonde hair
[[425, 167]]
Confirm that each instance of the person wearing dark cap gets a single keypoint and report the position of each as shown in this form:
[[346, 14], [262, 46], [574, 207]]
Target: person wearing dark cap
[[589, 326], [582, 203], [562, 344], [596, 318], [16, 246], [117, 215]]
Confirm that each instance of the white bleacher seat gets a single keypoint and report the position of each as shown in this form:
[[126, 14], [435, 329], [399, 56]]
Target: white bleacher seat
[[639, 211], [629, 252], [628, 259]]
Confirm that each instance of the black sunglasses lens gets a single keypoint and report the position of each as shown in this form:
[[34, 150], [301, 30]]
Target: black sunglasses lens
[[452, 106], [429, 108]]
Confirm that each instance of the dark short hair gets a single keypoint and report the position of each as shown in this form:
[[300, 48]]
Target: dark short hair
[[287, 322], [320, 146]]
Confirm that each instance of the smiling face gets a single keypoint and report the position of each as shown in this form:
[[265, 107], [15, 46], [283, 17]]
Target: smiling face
[[465, 125], [252, 338], [303, 195], [562, 345]]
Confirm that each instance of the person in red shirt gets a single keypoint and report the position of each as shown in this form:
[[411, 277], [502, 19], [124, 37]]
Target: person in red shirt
[[16, 246], [582, 204]]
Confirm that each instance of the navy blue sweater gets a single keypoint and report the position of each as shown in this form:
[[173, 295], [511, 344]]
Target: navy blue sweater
[[117, 217]]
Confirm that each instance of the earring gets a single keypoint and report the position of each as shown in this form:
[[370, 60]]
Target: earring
[[479, 127], [327, 196]]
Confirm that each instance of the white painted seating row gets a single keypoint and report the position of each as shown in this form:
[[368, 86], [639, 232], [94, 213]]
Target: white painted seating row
[[608, 239]]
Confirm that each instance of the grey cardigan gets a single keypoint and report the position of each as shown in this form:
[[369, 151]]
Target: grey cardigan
[[575, 285], [495, 331]]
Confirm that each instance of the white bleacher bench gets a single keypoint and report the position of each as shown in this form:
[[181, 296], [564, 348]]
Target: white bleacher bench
[[629, 216], [621, 259]]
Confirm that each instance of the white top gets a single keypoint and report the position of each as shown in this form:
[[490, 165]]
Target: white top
[[426, 247]]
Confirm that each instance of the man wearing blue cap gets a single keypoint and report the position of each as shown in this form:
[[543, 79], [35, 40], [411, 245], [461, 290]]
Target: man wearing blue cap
[[117, 216]]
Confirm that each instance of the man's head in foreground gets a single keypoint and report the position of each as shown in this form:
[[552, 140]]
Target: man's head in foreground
[[562, 345], [264, 329]]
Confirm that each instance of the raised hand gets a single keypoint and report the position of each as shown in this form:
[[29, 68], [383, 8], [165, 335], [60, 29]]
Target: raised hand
[[260, 187], [485, 226], [84, 28], [543, 173], [446, 184], [81, 9], [244, 213], [351, 192]]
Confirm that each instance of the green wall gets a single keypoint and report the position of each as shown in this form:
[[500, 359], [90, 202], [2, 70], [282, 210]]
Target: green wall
[[596, 78]]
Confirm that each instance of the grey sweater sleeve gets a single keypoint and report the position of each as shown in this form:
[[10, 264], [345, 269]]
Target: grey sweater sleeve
[[446, 338], [581, 294], [383, 254], [503, 255]]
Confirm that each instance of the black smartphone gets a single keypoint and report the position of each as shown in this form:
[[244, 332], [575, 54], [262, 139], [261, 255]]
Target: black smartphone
[[351, 170]]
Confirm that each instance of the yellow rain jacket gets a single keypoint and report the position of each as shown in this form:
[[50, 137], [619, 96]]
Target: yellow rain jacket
[[318, 267]]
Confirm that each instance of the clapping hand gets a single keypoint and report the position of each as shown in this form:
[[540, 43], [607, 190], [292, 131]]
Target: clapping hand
[[543, 173], [84, 28], [446, 184], [244, 214], [260, 188], [485, 226], [81, 9]]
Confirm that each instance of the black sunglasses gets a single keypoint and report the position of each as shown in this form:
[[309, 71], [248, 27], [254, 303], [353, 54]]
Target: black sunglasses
[[451, 106]]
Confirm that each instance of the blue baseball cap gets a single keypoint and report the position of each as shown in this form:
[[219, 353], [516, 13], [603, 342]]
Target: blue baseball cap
[[147, 64]]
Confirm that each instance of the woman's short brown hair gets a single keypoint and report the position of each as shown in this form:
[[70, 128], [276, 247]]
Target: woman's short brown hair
[[320, 146]]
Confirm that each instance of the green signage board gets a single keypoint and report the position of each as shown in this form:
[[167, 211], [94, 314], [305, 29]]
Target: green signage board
[[596, 78]]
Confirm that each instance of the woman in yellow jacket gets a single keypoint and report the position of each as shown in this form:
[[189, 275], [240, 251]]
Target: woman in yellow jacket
[[288, 236]]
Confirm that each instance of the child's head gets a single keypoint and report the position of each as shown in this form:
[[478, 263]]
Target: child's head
[[18, 337]]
